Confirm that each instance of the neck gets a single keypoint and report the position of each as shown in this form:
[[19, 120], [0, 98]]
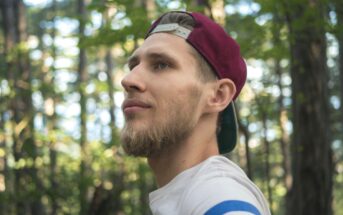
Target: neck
[[199, 146]]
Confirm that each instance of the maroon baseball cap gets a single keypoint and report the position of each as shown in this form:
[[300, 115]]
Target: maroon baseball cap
[[223, 55]]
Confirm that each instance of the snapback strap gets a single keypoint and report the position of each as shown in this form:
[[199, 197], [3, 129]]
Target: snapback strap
[[172, 28]]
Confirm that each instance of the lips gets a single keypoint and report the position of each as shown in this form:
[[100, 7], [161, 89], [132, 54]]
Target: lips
[[134, 105]]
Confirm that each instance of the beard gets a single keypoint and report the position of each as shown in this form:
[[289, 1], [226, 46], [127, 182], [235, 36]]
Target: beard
[[177, 124]]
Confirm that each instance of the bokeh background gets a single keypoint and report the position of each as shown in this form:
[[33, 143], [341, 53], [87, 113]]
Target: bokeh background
[[61, 63]]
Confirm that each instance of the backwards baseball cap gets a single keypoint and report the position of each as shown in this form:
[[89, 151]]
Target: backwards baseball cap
[[222, 54]]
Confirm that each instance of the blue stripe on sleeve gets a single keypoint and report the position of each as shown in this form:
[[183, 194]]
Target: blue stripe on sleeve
[[231, 206]]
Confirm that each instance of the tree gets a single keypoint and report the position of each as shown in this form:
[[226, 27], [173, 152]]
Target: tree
[[83, 182], [19, 76], [338, 7], [311, 191], [63, 60]]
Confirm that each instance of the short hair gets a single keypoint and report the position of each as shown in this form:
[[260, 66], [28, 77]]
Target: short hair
[[206, 72]]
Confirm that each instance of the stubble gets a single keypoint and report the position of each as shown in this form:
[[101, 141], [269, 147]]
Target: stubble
[[169, 131]]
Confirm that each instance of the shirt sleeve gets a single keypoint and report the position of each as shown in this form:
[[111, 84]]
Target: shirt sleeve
[[220, 196]]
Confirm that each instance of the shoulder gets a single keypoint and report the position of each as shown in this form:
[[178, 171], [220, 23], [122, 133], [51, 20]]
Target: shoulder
[[221, 189], [221, 194]]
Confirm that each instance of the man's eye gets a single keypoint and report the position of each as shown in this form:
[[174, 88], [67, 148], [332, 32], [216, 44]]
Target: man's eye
[[160, 66]]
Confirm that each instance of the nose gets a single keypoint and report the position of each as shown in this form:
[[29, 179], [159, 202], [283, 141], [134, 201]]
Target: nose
[[133, 81]]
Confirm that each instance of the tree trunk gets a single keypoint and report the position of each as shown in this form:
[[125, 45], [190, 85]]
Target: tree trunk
[[283, 118], [52, 120], [3, 159], [47, 75], [106, 23], [339, 36], [244, 130], [284, 139], [24, 112], [150, 8], [312, 167], [9, 29], [267, 161], [27, 183], [264, 116], [111, 90], [83, 186]]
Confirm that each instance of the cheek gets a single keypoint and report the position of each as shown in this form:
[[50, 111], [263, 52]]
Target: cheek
[[179, 99], [182, 88], [175, 94]]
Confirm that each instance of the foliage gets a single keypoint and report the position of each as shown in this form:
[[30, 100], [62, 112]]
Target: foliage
[[119, 184]]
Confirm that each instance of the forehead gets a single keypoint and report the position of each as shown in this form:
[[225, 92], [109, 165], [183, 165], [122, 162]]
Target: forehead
[[165, 43]]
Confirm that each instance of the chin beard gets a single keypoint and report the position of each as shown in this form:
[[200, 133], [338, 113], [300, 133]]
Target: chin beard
[[154, 140]]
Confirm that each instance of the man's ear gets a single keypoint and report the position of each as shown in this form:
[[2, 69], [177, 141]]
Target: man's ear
[[223, 93]]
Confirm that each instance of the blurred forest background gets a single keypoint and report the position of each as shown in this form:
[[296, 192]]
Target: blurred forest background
[[61, 62]]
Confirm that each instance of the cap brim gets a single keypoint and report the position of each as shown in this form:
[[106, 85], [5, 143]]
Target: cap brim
[[227, 137]]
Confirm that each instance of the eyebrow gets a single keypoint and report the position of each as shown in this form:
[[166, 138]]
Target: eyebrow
[[132, 60]]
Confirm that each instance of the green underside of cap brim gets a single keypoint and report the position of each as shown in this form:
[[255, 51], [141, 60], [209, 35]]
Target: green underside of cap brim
[[227, 137]]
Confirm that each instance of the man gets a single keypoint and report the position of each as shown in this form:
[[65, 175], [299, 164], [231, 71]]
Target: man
[[179, 114]]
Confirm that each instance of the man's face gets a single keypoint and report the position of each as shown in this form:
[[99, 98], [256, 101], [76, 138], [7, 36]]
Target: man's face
[[163, 96]]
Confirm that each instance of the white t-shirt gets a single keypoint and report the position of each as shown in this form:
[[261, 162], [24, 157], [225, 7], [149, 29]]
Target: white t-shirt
[[215, 186]]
